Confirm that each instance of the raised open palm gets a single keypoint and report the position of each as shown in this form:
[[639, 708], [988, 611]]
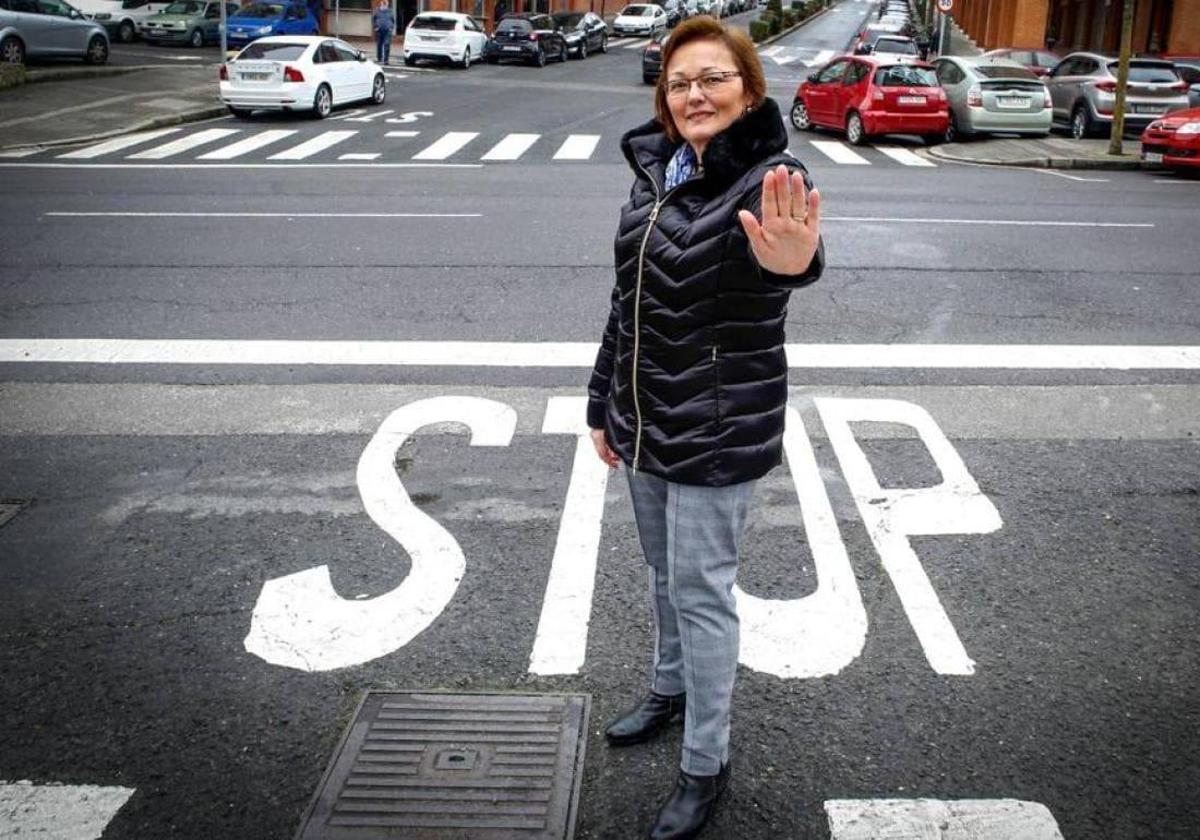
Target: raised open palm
[[786, 239]]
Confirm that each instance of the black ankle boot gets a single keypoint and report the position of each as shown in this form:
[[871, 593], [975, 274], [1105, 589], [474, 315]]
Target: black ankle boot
[[690, 805], [645, 720]]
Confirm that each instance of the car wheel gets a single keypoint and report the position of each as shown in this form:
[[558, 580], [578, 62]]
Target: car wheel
[[540, 58], [409, 61], [322, 102], [196, 39], [378, 89], [648, 79], [97, 51], [933, 139], [800, 116], [491, 59], [240, 113], [951, 135], [466, 59], [1081, 123], [856, 135], [125, 32], [12, 51], [604, 44]]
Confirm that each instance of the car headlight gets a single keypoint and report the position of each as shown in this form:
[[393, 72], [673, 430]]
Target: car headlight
[[263, 30], [1189, 128]]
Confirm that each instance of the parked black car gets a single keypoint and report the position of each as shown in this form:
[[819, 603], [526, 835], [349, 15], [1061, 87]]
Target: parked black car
[[585, 32], [675, 10], [652, 58], [526, 37]]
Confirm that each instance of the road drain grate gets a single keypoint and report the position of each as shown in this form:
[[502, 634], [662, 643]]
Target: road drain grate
[[431, 766]]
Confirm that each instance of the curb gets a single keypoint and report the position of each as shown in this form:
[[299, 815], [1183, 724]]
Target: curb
[[1047, 162], [204, 113], [67, 74], [807, 20]]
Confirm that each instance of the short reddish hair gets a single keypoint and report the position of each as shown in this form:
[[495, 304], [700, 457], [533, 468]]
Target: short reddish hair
[[706, 28]]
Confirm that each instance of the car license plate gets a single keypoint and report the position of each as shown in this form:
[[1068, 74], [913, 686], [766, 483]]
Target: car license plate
[[912, 100], [1153, 157], [255, 77], [512, 49], [1012, 102], [1149, 109]]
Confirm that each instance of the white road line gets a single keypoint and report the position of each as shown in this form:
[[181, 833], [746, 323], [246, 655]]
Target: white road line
[[402, 134], [1173, 181], [839, 152], [1072, 177], [80, 812], [636, 45], [771, 51], [904, 156], [236, 215], [511, 147], [314, 145], [359, 156], [1011, 222], [965, 819], [148, 166], [184, 144], [583, 354], [374, 115], [446, 145], [116, 144], [821, 57], [20, 153], [577, 147], [250, 144]]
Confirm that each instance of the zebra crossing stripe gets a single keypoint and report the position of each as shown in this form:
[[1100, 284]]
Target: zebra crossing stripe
[[250, 144], [511, 147], [117, 144], [359, 156], [904, 156], [402, 134], [19, 153], [839, 152], [577, 147], [310, 147], [183, 144], [446, 145], [965, 819], [636, 45]]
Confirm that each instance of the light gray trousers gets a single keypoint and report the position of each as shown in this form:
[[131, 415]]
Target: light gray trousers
[[690, 536]]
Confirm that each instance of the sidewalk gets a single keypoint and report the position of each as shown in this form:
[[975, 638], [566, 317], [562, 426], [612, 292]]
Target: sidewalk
[[89, 106], [1053, 152]]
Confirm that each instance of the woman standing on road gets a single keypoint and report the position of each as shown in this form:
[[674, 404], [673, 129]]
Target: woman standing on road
[[690, 384]]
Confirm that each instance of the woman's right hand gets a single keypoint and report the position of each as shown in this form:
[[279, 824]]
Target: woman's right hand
[[603, 449]]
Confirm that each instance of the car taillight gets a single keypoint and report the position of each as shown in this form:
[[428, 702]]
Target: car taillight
[[532, 36], [975, 97], [1180, 87], [291, 74], [1047, 101], [224, 73], [1106, 86], [653, 49], [941, 95]]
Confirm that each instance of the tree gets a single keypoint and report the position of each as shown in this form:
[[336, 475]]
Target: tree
[[1118, 126]]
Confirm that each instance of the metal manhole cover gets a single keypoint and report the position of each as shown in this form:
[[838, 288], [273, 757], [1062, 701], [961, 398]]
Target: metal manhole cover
[[429, 766]]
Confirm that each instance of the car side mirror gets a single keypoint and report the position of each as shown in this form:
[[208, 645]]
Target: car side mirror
[[362, 56], [812, 77]]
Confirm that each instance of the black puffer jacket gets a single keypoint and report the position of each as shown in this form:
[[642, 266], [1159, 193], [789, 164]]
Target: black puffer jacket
[[690, 383]]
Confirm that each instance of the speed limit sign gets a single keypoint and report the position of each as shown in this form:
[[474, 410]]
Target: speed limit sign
[[945, 6]]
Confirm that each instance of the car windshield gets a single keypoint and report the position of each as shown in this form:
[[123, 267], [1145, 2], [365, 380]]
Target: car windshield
[[182, 9], [261, 10], [1161, 73], [443, 24], [272, 51], [514, 25], [895, 45], [637, 11], [1004, 71], [905, 76]]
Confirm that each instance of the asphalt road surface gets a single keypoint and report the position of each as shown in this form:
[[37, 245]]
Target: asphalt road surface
[[973, 580]]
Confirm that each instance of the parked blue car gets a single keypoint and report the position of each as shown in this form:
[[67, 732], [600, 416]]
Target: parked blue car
[[257, 20]]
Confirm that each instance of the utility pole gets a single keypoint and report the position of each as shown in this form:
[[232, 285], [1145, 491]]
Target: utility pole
[[224, 46], [1118, 125]]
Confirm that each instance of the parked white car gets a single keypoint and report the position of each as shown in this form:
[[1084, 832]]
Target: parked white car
[[299, 73], [641, 19], [444, 36], [118, 23]]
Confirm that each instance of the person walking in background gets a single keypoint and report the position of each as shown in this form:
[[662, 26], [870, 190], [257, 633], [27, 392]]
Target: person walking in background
[[384, 24], [689, 388]]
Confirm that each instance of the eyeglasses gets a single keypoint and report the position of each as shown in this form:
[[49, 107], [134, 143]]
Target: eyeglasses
[[709, 82]]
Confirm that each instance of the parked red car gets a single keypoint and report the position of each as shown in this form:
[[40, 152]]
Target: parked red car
[[862, 95], [1174, 141], [1041, 62]]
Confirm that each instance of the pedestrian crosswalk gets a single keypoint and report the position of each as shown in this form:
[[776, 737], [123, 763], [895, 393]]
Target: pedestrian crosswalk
[[367, 145]]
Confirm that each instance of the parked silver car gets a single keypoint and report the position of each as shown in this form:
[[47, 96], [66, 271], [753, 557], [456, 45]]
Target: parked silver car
[[49, 29], [1189, 71], [1084, 87], [992, 95]]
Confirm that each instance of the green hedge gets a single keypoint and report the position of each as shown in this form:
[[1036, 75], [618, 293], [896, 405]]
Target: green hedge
[[790, 18], [12, 75], [760, 30]]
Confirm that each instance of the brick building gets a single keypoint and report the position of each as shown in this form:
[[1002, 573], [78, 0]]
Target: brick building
[[1160, 27], [355, 15]]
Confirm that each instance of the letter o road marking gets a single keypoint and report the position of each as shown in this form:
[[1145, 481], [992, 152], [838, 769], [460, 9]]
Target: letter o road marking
[[299, 620]]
